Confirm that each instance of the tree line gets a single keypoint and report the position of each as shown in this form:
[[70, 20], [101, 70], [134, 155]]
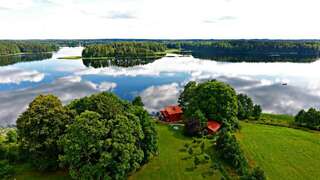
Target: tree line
[[309, 119], [124, 49], [250, 46], [15, 47], [95, 137]]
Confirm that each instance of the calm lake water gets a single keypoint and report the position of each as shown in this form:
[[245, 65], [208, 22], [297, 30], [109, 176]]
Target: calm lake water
[[158, 83]]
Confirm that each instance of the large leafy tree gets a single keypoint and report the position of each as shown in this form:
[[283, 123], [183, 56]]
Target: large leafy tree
[[96, 148], [39, 128], [126, 132], [216, 100]]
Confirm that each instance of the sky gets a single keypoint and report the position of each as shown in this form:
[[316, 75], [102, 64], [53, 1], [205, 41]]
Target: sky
[[159, 19]]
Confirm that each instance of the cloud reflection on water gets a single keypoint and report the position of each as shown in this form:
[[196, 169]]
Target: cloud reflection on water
[[12, 75], [66, 88], [162, 81]]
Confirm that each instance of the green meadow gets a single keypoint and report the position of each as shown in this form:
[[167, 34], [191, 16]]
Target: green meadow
[[283, 153]]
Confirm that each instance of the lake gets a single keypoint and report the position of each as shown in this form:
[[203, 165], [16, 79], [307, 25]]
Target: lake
[[277, 87]]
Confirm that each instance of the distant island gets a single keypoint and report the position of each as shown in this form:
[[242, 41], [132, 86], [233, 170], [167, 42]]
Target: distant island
[[125, 49]]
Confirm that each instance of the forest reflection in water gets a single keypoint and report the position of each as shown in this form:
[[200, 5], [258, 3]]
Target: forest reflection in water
[[121, 62], [266, 58], [13, 59]]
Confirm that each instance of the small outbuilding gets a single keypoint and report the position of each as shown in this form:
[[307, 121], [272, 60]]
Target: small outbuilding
[[171, 113], [213, 126]]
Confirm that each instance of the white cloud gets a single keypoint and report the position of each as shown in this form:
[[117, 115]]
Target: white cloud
[[107, 86], [16, 4], [160, 19], [157, 97], [204, 69], [16, 76], [66, 88]]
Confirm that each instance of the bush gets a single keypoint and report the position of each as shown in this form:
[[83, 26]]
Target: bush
[[256, 174], [229, 150], [309, 119]]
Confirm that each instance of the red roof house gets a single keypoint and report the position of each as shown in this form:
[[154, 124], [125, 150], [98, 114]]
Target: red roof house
[[213, 126], [171, 113]]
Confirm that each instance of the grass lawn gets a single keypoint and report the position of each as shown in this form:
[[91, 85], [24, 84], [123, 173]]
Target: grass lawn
[[169, 164], [277, 119], [283, 153], [70, 57]]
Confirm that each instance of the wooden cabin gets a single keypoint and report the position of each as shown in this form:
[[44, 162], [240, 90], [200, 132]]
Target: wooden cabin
[[171, 113]]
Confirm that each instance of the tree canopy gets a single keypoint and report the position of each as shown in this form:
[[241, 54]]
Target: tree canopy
[[310, 118], [14, 47], [213, 100], [124, 49], [39, 127], [109, 138]]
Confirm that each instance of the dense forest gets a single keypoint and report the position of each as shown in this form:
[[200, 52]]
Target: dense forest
[[253, 57], [250, 47], [15, 47], [125, 49]]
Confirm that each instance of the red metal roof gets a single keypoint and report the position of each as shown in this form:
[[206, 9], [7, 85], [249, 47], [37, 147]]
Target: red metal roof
[[214, 126], [173, 110], [172, 113]]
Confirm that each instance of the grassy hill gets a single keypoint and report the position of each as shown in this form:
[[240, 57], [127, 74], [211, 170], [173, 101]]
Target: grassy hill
[[283, 153], [170, 164]]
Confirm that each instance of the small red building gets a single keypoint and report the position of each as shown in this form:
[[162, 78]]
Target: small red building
[[213, 126], [171, 113]]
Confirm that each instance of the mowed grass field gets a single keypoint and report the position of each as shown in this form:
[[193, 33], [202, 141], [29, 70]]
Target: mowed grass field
[[283, 153], [169, 165]]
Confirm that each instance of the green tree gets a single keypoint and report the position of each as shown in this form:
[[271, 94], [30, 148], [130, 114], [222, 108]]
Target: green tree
[[230, 151], [216, 100], [130, 137], [39, 128], [256, 112], [149, 143], [310, 118], [11, 136], [95, 148], [137, 101], [245, 106]]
